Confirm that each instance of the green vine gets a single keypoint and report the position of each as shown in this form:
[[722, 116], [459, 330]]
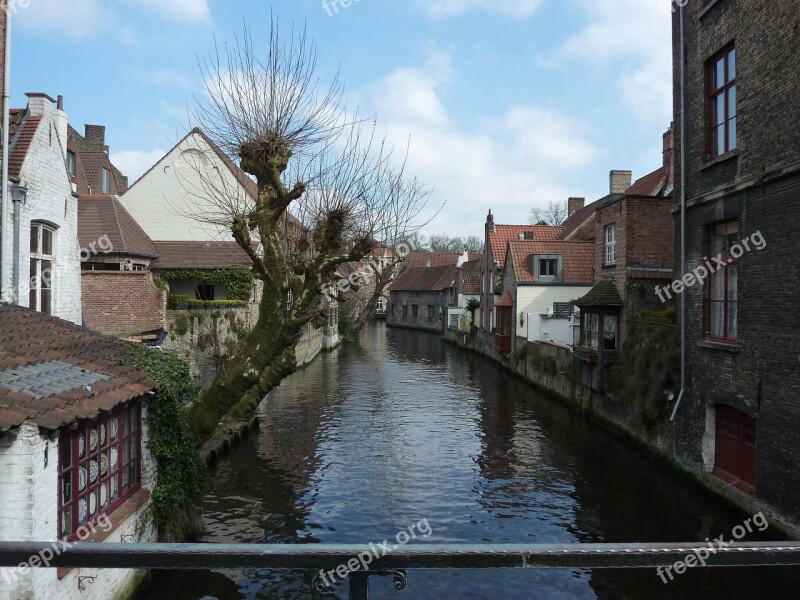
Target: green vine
[[181, 471], [238, 282]]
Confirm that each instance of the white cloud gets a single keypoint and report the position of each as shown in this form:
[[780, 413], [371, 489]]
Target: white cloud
[[189, 11], [632, 37], [509, 162], [77, 19], [438, 9], [134, 164]]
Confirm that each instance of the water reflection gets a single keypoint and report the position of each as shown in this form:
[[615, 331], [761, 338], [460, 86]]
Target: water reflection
[[373, 437]]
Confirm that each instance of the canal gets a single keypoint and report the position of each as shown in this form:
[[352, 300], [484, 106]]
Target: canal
[[401, 429]]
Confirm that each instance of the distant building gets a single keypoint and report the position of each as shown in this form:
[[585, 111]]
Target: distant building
[[739, 417], [420, 296]]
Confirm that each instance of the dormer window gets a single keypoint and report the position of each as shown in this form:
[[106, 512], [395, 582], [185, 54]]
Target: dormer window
[[71, 162], [547, 268], [106, 184]]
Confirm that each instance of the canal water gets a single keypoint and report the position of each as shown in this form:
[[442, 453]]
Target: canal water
[[404, 429]]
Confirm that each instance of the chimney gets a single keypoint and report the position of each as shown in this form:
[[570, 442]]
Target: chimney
[[574, 205], [462, 259], [620, 181], [490, 221], [669, 156], [96, 136], [39, 104]]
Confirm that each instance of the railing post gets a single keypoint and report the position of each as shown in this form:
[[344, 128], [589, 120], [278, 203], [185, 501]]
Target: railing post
[[359, 586]]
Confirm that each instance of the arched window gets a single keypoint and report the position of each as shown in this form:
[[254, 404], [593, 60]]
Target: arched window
[[42, 258]]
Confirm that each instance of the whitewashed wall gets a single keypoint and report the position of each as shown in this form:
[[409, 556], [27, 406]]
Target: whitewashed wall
[[540, 298]]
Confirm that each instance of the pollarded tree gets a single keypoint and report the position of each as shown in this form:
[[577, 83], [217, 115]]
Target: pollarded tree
[[320, 177]]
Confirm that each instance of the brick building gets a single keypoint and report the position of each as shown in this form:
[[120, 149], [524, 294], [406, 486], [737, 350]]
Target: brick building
[[742, 181], [420, 296]]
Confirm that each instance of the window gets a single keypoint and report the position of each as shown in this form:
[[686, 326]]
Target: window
[[723, 289], [610, 332], [95, 266], [42, 261], [599, 330], [204, 291], [138, 267], [547, 268], [405, 313], [414, 310], [99, 468], [71, 162], [562, 310], [431, 311], [106, 183], [379, 308], [611, 244], [722, 102]]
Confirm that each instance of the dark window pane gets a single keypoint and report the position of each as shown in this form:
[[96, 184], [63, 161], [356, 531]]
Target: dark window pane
[[720, 140], [47, 241], [34, 239], [66, 451], [732, 65], [732, 102], [719, 80], [46, 299], [732, 134], [719, 112]]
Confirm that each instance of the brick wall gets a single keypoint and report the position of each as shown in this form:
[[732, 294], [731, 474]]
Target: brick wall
[[759, 187], [423, 299], [122, 302]]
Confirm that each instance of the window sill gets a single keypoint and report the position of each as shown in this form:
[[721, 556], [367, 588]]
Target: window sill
[[707, 8], [720, 159], [609, 265], [117, 518], [724, 346]]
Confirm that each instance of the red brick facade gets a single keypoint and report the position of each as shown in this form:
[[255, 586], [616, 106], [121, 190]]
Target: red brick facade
[[122, 302]]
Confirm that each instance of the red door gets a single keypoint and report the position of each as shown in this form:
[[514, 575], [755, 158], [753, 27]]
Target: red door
[[736, 448]]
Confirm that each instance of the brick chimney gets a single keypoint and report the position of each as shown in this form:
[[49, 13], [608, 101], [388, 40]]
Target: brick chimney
[[96, 137], [490, 222], [620, 181], [574, 205], [669, 156]]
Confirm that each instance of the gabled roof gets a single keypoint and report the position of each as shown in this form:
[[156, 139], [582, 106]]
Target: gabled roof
[[651, 184], [90, 160], [426, 279], [102, 215], [505, 300], [502, 234], [578, 260], [471, 284], [23, 134], [602, 294], [45, 362], [580, 224], [200, 255], [243, 178]]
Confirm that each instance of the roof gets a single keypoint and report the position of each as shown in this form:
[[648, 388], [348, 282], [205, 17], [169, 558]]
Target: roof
[[578, 259], [200, 255], [425, 279], [471, 284], [505, 300], [602, 294], [90, 160], [45, 362], [651, 184], [100, 216], [502, 234], [23, 133], [577, 220], [435, 259], [243, 178]]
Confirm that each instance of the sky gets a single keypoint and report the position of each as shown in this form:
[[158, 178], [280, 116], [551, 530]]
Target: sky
[[508, 104]]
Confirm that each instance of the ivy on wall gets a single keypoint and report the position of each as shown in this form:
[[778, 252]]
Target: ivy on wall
[[237, 282], [180, 470]]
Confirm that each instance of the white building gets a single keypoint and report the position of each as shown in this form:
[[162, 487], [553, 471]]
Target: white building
[[74, 462], [40, 253]]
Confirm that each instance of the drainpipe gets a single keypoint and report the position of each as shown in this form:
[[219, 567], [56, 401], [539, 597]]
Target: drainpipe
[[18, 195], [683, 210], [4, 183]]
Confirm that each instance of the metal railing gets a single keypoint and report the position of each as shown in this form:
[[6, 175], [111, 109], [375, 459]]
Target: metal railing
[[323, 558]]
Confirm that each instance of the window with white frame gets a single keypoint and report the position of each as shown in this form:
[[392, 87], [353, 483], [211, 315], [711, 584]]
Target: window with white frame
[[42, 263], [611, 244], [106, 183]]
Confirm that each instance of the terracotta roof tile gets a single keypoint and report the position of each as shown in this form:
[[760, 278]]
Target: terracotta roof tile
[[505, 300], [31, 342], [200, 255], [651, 184], [574, 225], [471, 284], [426, 279], [100, 216], [24, 134], [502, 234], [578, 259]]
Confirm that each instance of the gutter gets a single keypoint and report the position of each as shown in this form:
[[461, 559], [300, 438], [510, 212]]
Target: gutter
[[683, 210], [5, 142]]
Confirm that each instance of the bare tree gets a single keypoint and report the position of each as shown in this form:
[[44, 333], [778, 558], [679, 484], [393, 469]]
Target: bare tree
[[555, 214], [324, 190], [473, 244]]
